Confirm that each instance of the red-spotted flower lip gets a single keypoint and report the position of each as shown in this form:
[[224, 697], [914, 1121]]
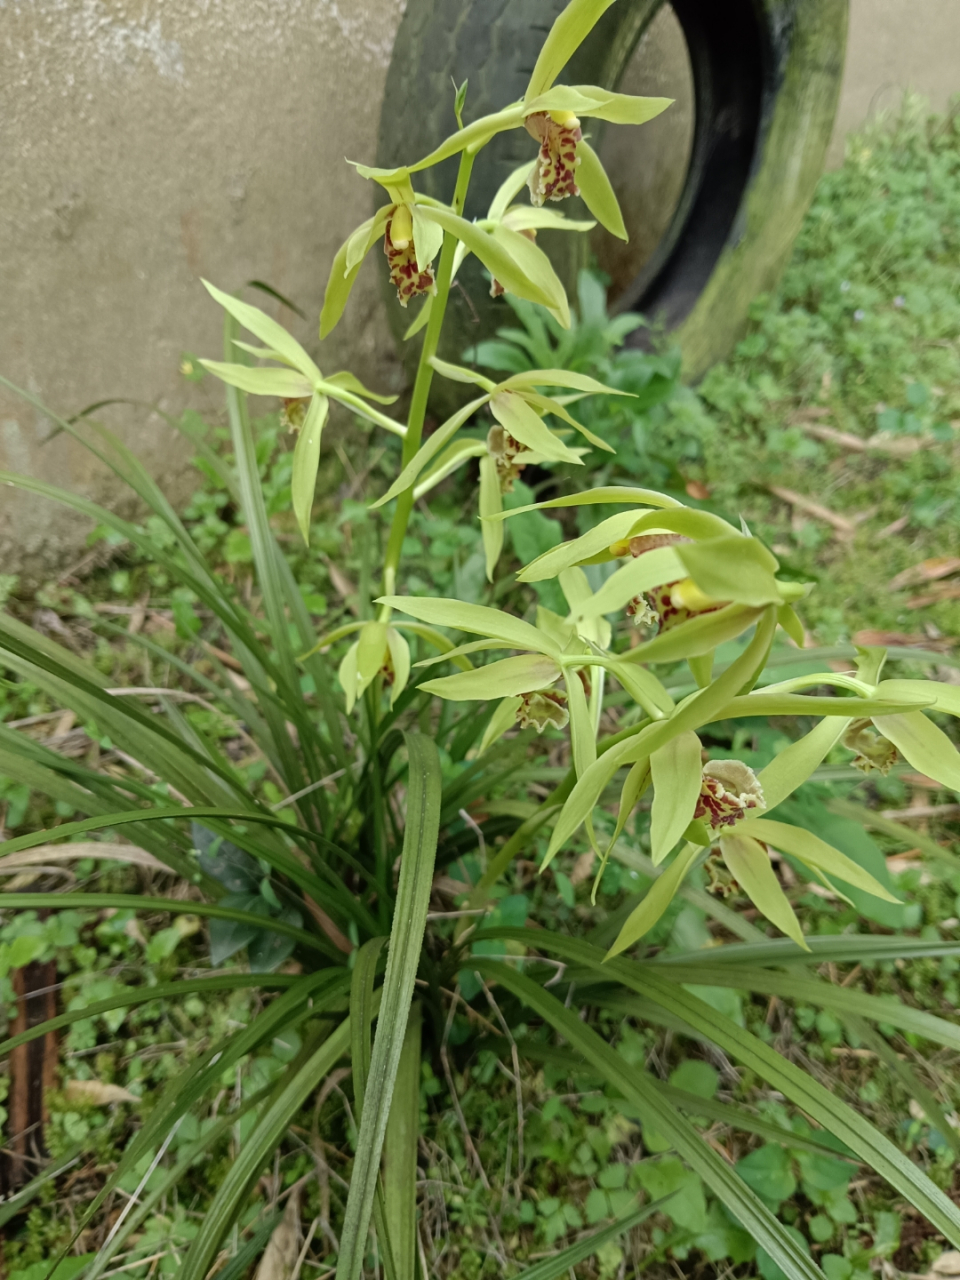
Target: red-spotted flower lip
[[554, 175], [401, 252], [729, 789]]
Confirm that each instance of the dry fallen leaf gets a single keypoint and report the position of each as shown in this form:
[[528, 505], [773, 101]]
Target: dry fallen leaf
[[812, 508], [895, 526], [101, 1095], [100, 849], [582, 868], [901, 640], [926, 571], [938, 591], [283, 1248], [948, 1264]]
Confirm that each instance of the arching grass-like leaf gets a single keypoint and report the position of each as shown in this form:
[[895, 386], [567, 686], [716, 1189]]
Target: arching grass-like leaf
[[649, 982], [663, 1117], [406, 939], [241, 1175], [136, 902]]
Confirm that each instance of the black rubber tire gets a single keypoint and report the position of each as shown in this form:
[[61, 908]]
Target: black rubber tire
[[766, 77]]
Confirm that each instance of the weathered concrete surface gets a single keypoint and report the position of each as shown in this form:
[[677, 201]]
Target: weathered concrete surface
[[145, 143], [894, 46]]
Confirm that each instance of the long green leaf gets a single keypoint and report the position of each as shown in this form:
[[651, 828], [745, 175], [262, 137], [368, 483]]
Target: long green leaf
[[737, 1117], [363, 1007], [840, 948], [307, 996], [872, 1039], [143, 995], [826, 995], [406, 939], [242, 1174], [17, 1202], [136, 902], [562, 1263], [663, 1117], [818, 1102], [400, 1154], [164, 1180]]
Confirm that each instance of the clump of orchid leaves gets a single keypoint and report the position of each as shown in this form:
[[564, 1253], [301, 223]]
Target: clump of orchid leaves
[[682, 584]]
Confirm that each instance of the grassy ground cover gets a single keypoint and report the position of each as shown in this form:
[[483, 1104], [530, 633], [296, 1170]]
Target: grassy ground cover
[[831, 431]]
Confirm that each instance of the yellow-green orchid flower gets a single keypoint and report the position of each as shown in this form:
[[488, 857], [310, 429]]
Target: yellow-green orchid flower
[[379, 650], [697, 578], [555, 652], [566, 163], [505, 221], [304, 389], [519, 438], [413, 227], [411, 269]]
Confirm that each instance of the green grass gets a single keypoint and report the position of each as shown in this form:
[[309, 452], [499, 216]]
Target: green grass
[[863, 336], [882, 239]]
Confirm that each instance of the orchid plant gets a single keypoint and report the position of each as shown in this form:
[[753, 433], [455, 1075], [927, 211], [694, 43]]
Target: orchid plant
[[684, 582], [680, 582], [652, 591]]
